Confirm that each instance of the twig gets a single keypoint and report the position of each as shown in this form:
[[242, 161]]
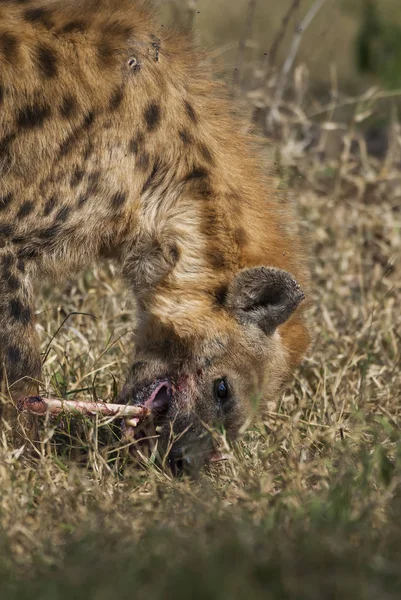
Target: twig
[[176, 9], [308, 423], [37, 405], [192, 6], [237, 76], [307, 20], [271, 55], [377, 95]]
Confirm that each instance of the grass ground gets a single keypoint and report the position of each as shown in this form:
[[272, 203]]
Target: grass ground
[[309, 504]]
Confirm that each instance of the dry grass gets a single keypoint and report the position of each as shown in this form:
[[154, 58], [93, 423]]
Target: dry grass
[[308, 506]]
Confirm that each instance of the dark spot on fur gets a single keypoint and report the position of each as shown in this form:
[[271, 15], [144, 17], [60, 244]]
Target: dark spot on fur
[[8, 46], [19, 365], [191, 112], [13, 355], [207, 155], [186, 137], [34, 14], [6, 273], [93, 182], [77, 177], [88, 120], [19, 239], [135, 144], [5, 143], [21, 265], [49, 233], [73, 27], [7, 261], [50, 205], [33, 116], [82, 200], [197, 173], [28, 252], [13, 283], [220, 294], [88, 151], [69, 107], [69, 143], [240, 237], [1, 94], [5, 150], [6, 229], [216, 259], [38, 16], [118, 200], [117, 29], [46, 58], [116, 99], [5, 201], [26, 209], [204, 188], [92, 188], [43, 185], [174, 253], [152, 116], [200, 178], [63, 214], [151, 177], [19, 312], [211, 223], [142, 161], [106, 54]]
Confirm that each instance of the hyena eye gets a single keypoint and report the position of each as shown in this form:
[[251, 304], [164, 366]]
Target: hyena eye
[[221, 389]]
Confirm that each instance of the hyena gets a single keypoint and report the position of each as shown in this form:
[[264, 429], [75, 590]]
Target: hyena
[[115, 142]]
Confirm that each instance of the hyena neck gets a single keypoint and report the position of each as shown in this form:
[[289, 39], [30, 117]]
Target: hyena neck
[[180, 267]]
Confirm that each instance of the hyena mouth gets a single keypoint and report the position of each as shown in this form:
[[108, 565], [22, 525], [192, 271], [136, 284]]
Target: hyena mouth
[[157, 396], [153, 436], [160, 397]]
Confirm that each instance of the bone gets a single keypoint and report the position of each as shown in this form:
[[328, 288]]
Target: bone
[[218, 457], [37, 405]]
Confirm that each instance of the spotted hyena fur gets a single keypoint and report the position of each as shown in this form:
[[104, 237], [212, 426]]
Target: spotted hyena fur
[[116, 143]]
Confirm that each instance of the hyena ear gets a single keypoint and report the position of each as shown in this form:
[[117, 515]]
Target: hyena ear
[[265, 296]]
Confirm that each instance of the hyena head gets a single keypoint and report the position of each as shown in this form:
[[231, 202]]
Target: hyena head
[[194, 385]]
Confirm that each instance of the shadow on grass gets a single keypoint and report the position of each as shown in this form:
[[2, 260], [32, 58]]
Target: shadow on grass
[[342, 542]]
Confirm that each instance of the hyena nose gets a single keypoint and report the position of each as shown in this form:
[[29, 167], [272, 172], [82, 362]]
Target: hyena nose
[[180, 464], [183, 463]]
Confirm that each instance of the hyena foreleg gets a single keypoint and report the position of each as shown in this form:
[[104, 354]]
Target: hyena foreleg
[[19, 348]]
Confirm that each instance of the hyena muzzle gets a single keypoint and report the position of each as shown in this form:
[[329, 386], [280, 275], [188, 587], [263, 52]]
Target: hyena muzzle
[[115, 142]]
